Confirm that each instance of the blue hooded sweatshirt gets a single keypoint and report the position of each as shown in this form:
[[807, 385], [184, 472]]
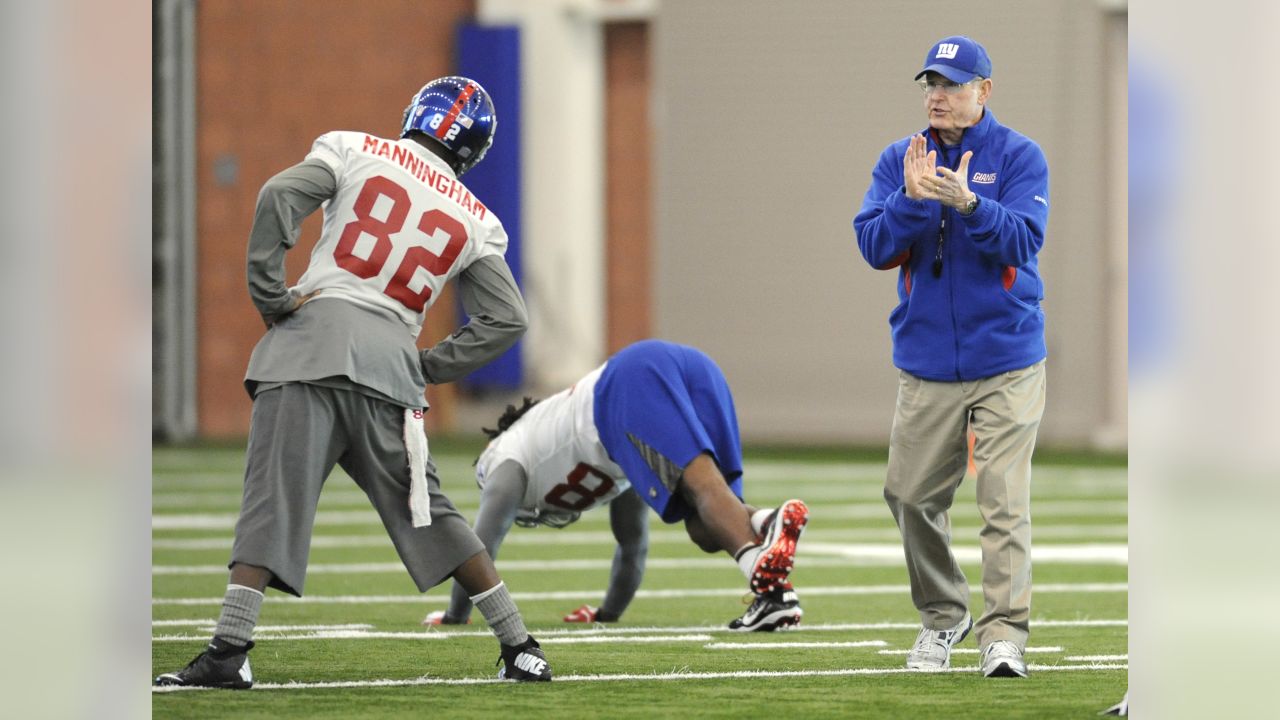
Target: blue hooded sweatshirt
[[982, 315]]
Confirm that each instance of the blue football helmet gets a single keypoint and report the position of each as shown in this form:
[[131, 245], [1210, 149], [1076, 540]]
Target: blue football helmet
[[457, 113]]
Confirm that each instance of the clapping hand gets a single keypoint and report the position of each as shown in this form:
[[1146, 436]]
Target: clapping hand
[[924, 180], [918, 166]]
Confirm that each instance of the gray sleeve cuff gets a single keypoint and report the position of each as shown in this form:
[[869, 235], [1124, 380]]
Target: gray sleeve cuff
[[492, 300]]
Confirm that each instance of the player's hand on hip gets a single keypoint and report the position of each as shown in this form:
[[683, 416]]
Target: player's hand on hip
[[270, 319]]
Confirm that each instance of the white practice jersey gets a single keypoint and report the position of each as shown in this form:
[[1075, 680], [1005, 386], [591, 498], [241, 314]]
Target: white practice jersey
[[556, 443], [398, 228]]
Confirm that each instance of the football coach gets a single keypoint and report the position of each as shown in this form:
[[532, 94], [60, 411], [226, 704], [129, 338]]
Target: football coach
[[959, 210]]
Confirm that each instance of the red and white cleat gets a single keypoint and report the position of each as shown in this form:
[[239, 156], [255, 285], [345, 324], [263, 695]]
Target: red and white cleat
[[778, 549], [436, 617], [584, 614]]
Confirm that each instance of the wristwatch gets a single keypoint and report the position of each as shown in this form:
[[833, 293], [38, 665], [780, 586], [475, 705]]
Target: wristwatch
[[970, 206]]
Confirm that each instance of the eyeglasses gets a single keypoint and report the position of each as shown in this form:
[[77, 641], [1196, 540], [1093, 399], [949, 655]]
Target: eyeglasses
[[948, 87]]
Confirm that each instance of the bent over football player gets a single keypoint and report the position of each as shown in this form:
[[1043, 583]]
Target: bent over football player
[[654, 426], [337, 378]]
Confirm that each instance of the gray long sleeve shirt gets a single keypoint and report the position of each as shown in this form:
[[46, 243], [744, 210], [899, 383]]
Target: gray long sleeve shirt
[[330, 341]]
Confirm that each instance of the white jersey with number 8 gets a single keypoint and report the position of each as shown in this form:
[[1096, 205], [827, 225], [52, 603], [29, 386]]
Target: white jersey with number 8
[[398, 228], [557, 444]]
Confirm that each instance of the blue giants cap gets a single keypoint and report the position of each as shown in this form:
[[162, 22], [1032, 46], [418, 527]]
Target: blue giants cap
[[958, 58]]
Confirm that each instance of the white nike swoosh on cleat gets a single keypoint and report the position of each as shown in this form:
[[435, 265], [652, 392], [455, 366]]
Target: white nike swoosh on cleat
[[530, 663]]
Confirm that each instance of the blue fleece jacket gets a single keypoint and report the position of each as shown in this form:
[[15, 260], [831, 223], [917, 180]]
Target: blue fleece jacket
[[982, 317]]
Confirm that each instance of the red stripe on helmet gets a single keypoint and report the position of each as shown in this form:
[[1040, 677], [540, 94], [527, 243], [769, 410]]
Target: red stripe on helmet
[[465, 95]]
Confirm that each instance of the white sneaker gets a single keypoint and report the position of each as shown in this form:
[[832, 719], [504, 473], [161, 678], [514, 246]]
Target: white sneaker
[[932, 650], [1121, 708], [1003, 659]]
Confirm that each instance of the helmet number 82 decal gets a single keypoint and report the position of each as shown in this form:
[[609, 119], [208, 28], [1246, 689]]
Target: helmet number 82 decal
[[452, 131], [415, 257]]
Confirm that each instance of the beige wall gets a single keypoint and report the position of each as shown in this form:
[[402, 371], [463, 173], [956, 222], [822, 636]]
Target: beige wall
[[768, 119]]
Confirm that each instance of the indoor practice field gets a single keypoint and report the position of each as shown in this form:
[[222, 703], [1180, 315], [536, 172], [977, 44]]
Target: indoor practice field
[[354, 648]]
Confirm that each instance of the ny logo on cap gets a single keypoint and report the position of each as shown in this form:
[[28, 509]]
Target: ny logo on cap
[[948, 51]]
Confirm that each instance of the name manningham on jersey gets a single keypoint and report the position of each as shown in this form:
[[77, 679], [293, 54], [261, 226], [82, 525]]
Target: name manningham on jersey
[[422, 170]]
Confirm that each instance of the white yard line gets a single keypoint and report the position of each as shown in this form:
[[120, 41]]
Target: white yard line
[[545, 537], [813, 554], [318, 541], [1096, 658], [791, 478], [975, 651], [598, 639], [828, 511], [581, 639], [787, 471], [771, 645], [324, 635], [824, 495], [1060, 478], [790, 472], [211, 622], [353, 498], [600, 630], [651, 594], [638, 677], [227, 521], [1043, 510], [1089, 553]]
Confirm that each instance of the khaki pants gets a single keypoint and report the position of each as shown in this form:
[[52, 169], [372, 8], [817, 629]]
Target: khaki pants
[[928, 456]]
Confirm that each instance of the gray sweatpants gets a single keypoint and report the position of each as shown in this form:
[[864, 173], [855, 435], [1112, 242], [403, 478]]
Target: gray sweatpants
[[928, 455], [298, 433]]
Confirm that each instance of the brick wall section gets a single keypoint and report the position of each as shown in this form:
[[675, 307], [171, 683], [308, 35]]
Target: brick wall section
[[271, 77], [627, 192]]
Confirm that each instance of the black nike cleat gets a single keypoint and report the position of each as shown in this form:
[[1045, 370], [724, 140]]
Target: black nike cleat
[[777, 609], [221, 665], [524, 662]]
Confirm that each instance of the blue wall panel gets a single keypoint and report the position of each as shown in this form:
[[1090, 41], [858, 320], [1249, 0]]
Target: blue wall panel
[[491, 57]]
